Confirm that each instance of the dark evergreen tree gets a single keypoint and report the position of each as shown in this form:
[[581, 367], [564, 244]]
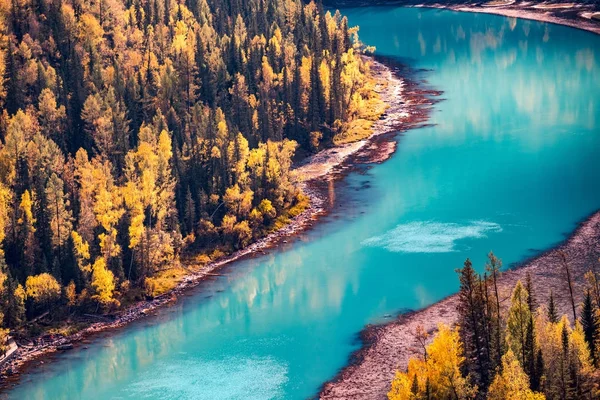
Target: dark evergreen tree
[[530, 354], [536, 379], [590, 325], [531, 300], [472, 318]]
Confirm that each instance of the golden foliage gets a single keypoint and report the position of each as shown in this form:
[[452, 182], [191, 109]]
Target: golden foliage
[[42, 288], [512, 383], [440, 371], [103, 282], [5, 197]]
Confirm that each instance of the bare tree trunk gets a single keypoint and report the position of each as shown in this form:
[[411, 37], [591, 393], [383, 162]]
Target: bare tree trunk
[[563, 257]]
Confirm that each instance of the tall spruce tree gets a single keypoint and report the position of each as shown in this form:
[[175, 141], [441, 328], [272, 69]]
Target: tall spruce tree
[[590, 325], [493, 268], [472, 318], [517, 323]]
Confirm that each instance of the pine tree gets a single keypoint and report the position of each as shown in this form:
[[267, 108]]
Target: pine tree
[[530, 354], [539, 371], [532, 303], [590, 325], [517, 323], [471, 310], [566, 383], [59, 214], [493, 268]]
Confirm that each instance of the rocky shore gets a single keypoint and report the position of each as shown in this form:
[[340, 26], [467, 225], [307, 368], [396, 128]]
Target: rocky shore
[[387, 348], [408, 107]]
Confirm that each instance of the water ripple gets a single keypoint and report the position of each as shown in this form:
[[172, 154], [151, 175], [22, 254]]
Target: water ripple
[[430, 236]]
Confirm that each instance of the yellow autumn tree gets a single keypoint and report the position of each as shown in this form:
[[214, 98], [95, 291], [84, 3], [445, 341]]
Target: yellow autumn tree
[[42, 288], [71, 294], [512, 383], [5, 197], [516, 324], [565, 352], [305, 67], [439, 375], [103, 283], [325, 77], [2, 80], [3, 337], [149, 196]]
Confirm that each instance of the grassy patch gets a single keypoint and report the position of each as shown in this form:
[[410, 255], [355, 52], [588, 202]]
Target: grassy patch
[[302, 203], [67, 329], [356, 130], [361, 127], [165, 280]]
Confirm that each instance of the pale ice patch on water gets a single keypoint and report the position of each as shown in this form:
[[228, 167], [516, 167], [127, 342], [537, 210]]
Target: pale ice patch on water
[[231, 378], [430, 236]]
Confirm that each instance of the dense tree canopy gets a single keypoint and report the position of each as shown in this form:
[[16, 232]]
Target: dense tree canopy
[[134, 131]]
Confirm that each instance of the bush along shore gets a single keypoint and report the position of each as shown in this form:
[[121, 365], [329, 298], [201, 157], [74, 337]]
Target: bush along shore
[[408, 107]]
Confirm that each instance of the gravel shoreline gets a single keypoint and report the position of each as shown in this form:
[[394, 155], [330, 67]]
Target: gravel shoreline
[[576, 16], [407, 108]]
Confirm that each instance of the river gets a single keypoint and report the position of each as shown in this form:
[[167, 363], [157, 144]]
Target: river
[[512, 164]]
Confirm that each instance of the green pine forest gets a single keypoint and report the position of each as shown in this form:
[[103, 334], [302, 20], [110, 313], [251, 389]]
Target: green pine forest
[[140, 139]]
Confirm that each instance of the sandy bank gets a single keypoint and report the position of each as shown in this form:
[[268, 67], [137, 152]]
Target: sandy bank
[[407, 107], [388, 347]]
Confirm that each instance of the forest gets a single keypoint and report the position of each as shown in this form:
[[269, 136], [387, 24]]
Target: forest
[[521, 350], [139, 137]]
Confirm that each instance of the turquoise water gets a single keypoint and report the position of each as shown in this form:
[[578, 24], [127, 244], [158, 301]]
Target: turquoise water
[[512, 165]]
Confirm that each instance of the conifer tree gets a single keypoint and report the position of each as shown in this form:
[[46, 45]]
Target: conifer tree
[[517, 323], [59, 214], [471, 310], [590, 325], [493, 269]]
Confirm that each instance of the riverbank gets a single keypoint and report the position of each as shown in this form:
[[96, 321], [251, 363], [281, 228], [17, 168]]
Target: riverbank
[[575, 15], [387, 348], [408, 106]]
